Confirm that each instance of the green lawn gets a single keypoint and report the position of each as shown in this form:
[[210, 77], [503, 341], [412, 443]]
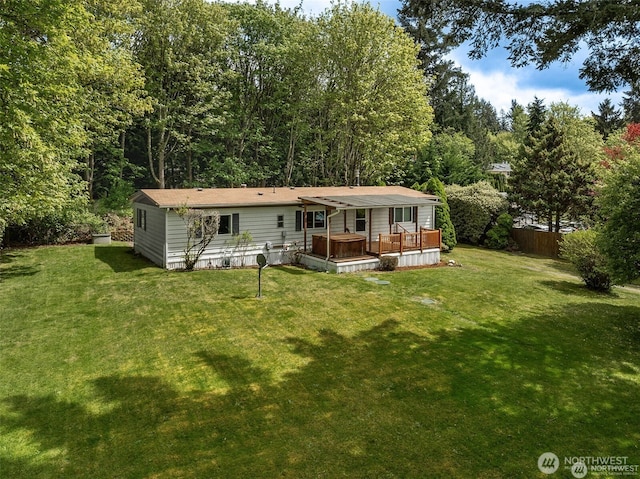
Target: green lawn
[[113, 368]]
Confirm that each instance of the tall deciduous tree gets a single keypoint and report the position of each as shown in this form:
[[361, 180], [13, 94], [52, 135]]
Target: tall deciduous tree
[[272, 79], [542, 33], [179, 45], [449, 157], [53, 62], [374, 107], [113, 86]]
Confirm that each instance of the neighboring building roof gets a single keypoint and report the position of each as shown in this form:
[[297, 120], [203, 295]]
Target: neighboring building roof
[[341, 197], [500, 168]]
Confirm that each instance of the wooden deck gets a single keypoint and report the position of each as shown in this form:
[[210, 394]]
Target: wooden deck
[[401, 242]]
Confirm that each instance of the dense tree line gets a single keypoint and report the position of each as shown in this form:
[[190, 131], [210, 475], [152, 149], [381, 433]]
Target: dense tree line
[[99, 96], [261, 95]]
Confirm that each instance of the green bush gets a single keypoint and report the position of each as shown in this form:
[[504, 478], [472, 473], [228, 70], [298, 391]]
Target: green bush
[[71, 226], [580, 248], [442, 213], [388, 263], [473, 209], [498, 235]]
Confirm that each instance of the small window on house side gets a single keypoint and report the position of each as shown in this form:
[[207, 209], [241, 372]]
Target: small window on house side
[[141, 219], [229, 224], [403, 215], [298, 220], [280, 221], [225, 225]]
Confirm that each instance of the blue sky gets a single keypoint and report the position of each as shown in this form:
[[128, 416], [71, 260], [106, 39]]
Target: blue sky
[[496, 81]]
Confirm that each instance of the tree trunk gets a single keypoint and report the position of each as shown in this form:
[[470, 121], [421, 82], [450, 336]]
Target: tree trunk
[[150, 156], [91, 164], [190, 159]]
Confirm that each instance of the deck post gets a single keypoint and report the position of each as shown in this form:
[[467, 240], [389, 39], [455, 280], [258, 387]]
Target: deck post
[[379, 244], [401, 242]]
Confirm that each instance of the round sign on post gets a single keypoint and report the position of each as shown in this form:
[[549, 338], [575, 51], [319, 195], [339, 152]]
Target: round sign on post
[[262, 262]]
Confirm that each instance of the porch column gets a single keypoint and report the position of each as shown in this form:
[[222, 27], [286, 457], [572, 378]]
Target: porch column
[[370, 230], [304, 224]]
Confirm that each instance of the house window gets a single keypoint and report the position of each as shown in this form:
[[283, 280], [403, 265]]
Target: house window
[[403, 215], [280, 221], [141, 219], [229, 224], [316, 219], [361, 220], [298, 220]]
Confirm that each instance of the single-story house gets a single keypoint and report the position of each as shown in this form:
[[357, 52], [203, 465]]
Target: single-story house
[[326, 228]]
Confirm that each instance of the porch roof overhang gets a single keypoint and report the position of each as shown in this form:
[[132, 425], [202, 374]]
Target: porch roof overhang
[[354, 202]]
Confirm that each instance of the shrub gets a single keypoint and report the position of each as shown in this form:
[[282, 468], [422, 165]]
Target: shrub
[[473, 209], [71, 226], [498, 235], [388, 263], [580, 248]]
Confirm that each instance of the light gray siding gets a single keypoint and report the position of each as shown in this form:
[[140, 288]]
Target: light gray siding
[[228, 250], [426, 217], [149, 238], [164, 239]]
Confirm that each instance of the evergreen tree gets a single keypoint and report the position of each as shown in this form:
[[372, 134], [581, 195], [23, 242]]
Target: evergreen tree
[[442, 214], [537, 113], [557, 176], [631, 103], [608, 119]]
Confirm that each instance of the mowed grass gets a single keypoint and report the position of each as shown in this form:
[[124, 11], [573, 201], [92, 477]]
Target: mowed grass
[[113, 368]]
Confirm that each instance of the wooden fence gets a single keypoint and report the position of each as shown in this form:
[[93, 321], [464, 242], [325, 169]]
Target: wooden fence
[[542, 243]]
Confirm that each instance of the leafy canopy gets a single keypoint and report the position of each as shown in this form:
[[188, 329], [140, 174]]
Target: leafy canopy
[[619, 202], [540, 33]]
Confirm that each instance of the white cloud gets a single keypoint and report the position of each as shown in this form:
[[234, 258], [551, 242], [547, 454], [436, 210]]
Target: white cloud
[[499, 87]]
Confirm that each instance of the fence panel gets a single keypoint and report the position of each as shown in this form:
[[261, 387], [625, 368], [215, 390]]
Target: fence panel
[[542, 243]]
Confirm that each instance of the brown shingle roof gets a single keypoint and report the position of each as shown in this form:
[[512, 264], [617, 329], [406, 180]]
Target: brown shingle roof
[[230, 197]]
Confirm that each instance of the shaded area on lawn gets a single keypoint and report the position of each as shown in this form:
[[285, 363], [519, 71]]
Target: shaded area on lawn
[[9, 270], [482, 402], [573, 288], [120, 258]]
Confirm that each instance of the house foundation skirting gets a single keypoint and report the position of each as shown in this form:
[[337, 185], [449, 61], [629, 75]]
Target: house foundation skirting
[[411, 258], [277, 256]]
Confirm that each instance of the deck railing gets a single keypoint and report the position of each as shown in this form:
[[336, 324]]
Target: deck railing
[[401, 242]]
